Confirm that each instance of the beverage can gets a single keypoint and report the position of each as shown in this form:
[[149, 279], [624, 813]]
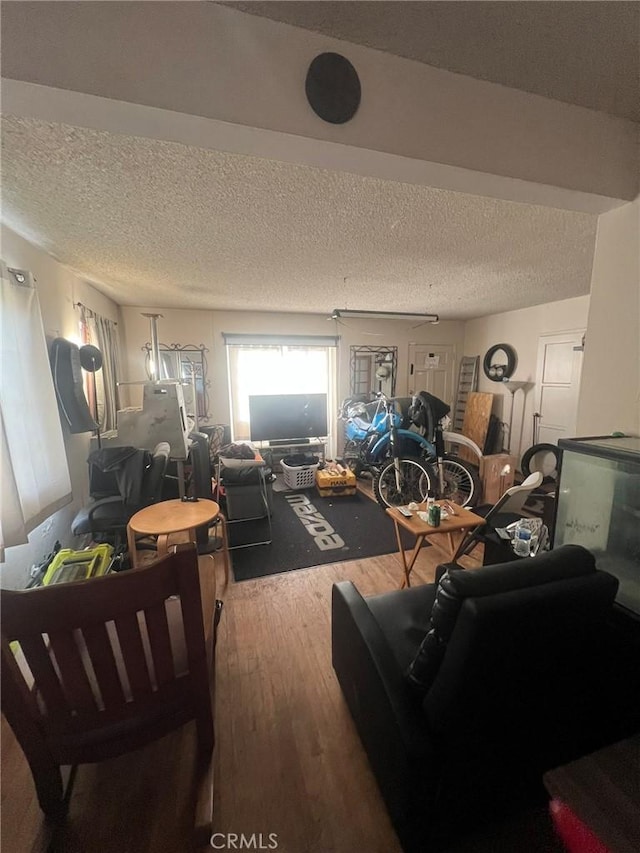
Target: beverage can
[[434, 515]]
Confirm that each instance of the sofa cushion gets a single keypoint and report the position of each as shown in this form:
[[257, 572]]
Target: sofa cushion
[[457, 584]]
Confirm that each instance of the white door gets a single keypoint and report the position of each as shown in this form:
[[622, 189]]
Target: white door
[[432, 369], [558, 385]]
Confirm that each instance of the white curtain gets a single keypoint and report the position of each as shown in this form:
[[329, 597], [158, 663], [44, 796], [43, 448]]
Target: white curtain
[[35, 475], [103, 333]]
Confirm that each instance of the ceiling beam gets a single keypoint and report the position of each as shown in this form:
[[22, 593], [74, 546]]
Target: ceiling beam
[[236, 83]]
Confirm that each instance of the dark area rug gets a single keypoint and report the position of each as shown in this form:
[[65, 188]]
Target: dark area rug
[[308, 530]]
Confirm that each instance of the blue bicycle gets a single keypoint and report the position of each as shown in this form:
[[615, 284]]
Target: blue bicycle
[[401, 442]]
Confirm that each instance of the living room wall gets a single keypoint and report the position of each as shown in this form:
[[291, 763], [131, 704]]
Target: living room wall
[[610, 390], [522, 330], [58, 289], [207, 327]]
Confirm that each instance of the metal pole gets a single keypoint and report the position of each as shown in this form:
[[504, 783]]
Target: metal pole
[[155, 346], [513, 397]]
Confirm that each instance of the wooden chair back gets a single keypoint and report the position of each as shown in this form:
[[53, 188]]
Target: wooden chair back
[[95, 668]]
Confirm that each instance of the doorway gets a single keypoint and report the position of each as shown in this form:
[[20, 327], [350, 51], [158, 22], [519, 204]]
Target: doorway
[[558, 385], [432, 369]]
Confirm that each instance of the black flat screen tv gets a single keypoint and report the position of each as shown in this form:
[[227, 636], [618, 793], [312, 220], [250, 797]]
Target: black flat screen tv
[[278, 417]]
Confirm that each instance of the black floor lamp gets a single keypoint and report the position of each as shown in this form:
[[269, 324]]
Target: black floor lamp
[[91, 361]]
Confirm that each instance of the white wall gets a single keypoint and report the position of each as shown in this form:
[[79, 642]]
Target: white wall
[[522, 330], [58, 289], [207, 327], [610, 391]]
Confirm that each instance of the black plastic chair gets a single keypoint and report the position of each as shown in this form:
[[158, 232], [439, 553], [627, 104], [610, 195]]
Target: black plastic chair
[[106, 519], [506, 510]]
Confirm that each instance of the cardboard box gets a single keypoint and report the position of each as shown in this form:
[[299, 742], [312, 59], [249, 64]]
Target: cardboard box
[[333, 484], [496, 475]]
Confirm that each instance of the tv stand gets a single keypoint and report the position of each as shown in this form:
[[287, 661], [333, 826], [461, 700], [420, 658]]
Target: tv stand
[[274, 451]]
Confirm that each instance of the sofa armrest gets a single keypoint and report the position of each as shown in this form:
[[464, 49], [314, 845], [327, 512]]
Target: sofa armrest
[[389, 719]]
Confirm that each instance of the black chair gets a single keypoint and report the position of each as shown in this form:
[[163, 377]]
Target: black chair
[[505, 511], [138, 477], [466, 692]]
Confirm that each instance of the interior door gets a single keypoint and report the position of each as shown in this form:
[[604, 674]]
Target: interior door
[[432, 369], [558, 385]]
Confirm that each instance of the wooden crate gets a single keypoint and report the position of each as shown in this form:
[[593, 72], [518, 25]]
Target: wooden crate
[[330, 484], [494, 482]]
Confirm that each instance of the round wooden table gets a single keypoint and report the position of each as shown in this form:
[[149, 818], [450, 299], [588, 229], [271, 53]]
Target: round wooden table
[[175, 516]]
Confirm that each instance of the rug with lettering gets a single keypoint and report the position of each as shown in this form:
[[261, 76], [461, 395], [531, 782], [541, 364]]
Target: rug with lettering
[[308, 530]]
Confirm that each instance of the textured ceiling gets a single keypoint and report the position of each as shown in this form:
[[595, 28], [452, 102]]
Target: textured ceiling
[[585, 53], [165, 225]]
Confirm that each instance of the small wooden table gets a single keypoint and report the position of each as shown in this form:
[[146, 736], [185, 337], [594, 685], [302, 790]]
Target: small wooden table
[[603, 792], [175, 516], [462, 520]]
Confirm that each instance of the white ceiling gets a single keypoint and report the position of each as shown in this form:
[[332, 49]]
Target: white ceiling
[[166, 225], [585, 53]]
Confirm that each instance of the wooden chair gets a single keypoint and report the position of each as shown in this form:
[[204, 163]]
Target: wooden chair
[[104, 666]]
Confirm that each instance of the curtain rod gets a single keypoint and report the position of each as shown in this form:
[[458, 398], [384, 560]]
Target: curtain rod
[[95, 313]]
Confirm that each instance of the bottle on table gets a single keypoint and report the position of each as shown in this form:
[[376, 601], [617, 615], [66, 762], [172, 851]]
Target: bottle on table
[[522, 540]]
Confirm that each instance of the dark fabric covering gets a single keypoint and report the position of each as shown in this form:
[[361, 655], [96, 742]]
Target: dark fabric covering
[[426, 410], [108, 517], [128, 464]]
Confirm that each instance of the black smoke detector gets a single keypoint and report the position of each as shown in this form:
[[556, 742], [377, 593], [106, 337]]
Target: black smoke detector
[[333, 88]]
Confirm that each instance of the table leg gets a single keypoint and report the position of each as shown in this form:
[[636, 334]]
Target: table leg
[[162, 544], [452, 547], [225, 547], [408, 567], [453, 544], [131, 544], [180, 467]]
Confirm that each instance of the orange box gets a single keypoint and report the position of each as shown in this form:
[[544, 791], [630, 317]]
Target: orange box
[[332, 485]]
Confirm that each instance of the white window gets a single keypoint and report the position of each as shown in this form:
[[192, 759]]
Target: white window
[[35, 475], [262, 365]]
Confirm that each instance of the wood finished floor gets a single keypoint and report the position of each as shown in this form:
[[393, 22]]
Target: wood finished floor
[[287, 759]]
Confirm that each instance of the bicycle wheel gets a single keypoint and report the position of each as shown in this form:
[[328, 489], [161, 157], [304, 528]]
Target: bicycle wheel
[[415, 483], [461, 483]]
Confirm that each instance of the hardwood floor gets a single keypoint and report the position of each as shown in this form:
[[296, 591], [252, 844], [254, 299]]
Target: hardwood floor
[[287, 759]]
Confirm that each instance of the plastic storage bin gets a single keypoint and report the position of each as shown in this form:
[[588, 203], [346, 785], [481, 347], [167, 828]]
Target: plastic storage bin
[[69, 565], [299, 476]]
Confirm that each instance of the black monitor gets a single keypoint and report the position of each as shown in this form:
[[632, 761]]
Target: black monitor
[[279, 417]]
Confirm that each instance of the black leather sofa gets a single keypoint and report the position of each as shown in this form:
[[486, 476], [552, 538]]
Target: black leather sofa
[[531, 669]]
